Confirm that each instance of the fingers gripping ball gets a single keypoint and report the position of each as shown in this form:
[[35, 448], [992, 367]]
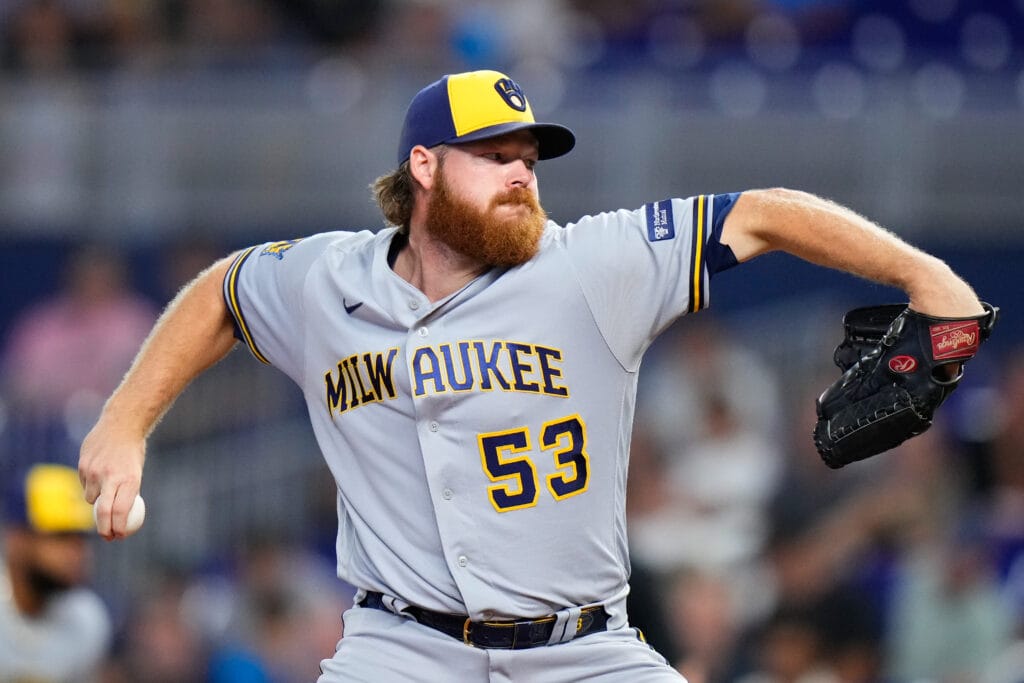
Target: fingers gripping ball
[[898, 367], [136, 516]]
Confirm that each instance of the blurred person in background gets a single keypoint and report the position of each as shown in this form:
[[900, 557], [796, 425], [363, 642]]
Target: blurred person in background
[[791, 649], [948, 620], [711, 408], [817, 613], [266, 618], [158, 642], [76, 345], [53, 629], [38, 37], [947, 615], [694, 360], [721, 483], [707, 627], [271, 615]]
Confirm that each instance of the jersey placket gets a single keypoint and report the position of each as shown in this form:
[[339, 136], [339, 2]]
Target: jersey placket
[[440, 443]]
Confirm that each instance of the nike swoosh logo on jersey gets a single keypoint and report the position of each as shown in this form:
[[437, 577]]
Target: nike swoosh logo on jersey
[[350, 309]]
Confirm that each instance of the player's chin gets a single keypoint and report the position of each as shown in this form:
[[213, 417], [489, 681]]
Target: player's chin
[[514, 249]]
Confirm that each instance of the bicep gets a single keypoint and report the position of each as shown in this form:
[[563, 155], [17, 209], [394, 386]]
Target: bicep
[[224, 330], [744, 227], [205, 307]]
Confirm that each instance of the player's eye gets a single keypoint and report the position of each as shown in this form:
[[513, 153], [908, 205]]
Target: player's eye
[[502, 158]]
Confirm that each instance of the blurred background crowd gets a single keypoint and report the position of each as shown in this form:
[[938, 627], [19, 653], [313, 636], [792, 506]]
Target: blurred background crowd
[[142, 139]]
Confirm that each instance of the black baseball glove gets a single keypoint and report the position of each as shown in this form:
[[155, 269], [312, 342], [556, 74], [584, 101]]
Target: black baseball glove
[[898, 367]]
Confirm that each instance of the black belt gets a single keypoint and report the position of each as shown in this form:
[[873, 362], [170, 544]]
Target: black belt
[[503, 635]]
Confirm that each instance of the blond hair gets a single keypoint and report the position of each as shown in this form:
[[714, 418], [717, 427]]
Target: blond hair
[[394, 195], [395, 192]]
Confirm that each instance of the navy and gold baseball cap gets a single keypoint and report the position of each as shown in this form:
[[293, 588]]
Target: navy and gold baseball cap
[[474, 106], [50, 500]]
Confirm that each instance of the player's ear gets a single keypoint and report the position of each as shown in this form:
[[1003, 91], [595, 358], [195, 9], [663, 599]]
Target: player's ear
[[423, 165]]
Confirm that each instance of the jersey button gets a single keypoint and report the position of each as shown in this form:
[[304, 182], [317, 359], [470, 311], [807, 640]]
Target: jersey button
[[413, 304], [463, 560], [447, 494], [434, 426], [423, 332]]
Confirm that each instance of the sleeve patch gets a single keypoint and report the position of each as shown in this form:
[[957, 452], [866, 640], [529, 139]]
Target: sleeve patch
[[277, 249], [660, 224]]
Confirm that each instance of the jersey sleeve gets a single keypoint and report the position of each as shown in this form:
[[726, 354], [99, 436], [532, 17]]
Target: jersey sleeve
[[263, 290], [642, 269]]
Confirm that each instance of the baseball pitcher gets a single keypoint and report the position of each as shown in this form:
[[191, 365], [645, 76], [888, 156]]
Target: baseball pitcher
[[470, 373]]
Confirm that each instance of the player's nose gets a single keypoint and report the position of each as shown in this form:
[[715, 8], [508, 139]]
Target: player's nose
[[520, 173]]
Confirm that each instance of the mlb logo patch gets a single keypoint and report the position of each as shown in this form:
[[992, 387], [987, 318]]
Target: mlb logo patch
[[660, 225]]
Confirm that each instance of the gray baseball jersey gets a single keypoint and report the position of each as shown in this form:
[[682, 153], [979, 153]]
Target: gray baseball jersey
[[66, 643], [480, 443]]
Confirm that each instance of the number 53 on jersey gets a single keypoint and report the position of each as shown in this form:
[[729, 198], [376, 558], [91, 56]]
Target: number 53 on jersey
[[511, 463]]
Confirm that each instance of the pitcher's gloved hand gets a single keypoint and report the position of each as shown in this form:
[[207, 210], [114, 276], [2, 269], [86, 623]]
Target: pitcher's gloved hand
[[898, 367]]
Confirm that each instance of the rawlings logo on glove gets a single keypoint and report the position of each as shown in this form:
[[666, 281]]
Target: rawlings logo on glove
[[898, 367], [959, 340]]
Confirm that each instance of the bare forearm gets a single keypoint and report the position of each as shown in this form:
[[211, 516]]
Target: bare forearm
[[194, 332], [831, 235]]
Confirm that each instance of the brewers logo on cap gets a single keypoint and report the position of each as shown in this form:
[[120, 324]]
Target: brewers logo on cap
[[511, 93], [473, 106]]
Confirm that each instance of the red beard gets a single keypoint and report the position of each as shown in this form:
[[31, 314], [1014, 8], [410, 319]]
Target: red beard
[[479, 234]]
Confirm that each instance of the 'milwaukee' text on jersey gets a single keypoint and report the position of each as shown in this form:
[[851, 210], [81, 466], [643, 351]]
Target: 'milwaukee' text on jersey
[[366, 378]]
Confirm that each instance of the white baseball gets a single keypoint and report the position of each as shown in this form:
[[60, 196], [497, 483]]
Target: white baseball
[[136, 516]]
